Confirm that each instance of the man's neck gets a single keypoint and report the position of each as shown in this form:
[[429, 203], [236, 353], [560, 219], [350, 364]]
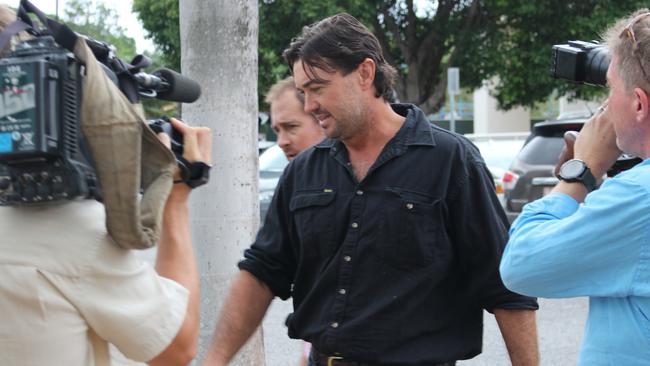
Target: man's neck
[[382, 124], [365, 147]]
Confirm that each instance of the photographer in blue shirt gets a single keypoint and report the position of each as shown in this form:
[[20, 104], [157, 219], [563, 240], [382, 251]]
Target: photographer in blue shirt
[[575, 242]]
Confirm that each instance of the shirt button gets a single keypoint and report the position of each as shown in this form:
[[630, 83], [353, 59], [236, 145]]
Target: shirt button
[[347, 258], [359, 193], [409, 206], [354, 225], [334, 325], [342, 291]]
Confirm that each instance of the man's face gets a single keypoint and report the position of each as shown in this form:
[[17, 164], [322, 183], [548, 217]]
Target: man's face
[[622, 111], [335, 100], [296, 129]]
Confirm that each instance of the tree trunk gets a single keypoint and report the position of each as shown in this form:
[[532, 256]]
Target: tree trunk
[[219, 49], [411, 90]]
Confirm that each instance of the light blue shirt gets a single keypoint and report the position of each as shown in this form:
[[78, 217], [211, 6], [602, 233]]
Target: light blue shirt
[[600, 249]]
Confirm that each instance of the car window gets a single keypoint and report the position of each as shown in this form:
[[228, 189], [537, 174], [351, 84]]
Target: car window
[[542, 150], [273, 160]]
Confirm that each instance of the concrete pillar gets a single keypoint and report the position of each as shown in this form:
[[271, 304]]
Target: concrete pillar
[[219, 49], [488, 118]]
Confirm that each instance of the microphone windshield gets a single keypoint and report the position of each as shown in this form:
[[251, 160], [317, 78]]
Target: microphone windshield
[[181, 89]]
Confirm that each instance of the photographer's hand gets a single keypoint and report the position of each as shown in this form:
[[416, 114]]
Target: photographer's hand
[[596, 144], [567, 151]]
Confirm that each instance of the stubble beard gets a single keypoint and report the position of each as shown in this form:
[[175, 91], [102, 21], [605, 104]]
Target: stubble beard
[[350, 124]]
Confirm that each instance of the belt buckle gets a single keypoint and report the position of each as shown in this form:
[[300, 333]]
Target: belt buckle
[[331, 359]]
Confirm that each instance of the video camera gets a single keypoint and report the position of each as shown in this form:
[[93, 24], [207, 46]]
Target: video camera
[[43, 156], [587, 63]]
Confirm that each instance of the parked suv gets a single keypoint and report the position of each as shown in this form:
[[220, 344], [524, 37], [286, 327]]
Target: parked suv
[[531, 175]]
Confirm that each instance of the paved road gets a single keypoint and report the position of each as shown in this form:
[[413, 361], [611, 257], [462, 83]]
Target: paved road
[[560, 324]]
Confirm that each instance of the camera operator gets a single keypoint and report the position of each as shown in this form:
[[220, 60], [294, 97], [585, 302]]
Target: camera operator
[[580, 242], [70, 289]]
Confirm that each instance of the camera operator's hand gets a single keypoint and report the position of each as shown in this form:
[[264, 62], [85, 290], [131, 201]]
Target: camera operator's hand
[[197, 143], [596, 144]]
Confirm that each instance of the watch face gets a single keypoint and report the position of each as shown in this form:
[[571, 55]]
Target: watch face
[[572, 169]]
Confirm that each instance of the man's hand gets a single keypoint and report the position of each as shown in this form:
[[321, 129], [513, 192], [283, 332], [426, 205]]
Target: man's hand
[[197, 143], [567, 151], [596, 144]]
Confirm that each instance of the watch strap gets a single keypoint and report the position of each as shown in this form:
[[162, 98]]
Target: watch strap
[[588, 179]]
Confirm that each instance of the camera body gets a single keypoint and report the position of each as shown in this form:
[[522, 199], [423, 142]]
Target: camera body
[[42, 153], [581, 62]]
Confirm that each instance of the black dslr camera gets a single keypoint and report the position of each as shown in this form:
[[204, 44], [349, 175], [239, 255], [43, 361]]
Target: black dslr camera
[[581, 62], [43, 155], [587, 63]]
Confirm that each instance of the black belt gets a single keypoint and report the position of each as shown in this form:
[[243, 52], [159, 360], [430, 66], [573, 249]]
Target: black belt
[[321, 359]]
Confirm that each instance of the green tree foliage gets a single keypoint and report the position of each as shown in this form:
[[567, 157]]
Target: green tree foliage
[[516, 39], [160, 19], [100, 22], [505, 40]]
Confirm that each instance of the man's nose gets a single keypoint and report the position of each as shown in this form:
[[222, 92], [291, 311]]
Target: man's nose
[[310, 104], [283, 140]]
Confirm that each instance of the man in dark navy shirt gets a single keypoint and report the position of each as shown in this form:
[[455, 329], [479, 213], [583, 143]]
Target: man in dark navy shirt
[[387, 235]]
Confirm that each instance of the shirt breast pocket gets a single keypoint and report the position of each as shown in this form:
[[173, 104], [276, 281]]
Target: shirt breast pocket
[[314, 213], [410, 226]]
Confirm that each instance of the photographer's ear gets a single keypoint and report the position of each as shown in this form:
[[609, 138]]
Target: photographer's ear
[[642, 105]]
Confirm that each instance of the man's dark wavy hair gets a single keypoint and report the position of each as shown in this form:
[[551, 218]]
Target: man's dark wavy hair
[[341, 43]]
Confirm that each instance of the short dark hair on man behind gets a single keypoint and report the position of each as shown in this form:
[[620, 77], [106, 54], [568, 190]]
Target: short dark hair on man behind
[[341, 43]]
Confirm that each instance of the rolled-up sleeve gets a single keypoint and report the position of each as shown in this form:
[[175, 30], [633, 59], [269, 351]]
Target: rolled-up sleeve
[[271, 258], [559, 248], [480, 231]]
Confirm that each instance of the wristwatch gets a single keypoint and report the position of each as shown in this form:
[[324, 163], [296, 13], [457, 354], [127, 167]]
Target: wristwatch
[[576, 170]]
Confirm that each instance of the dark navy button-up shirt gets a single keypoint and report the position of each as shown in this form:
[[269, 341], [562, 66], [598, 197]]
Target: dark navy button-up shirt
[[394, 269]]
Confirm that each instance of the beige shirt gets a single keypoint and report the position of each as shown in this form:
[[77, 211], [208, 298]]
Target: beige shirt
[[66, 290]]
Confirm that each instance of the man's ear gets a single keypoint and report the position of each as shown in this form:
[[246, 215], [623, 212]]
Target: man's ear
[[642, 105], [366, 71]]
